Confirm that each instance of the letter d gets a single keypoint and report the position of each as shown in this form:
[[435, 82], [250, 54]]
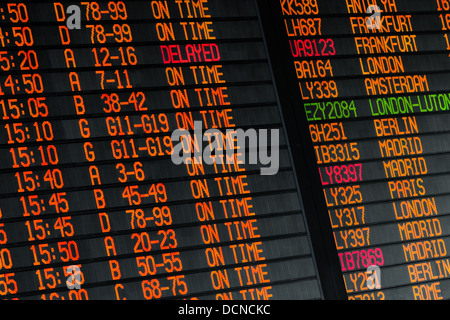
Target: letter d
[[227, 311]]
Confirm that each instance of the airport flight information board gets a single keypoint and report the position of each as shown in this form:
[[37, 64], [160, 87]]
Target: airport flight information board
[[351, 97], [92, 205], [369, 80]]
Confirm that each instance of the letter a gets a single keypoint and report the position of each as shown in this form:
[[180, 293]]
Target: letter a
[[74, 21]]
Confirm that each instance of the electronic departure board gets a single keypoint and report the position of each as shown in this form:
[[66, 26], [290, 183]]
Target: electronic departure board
[[93, 205], [366, 84], [225, 150]]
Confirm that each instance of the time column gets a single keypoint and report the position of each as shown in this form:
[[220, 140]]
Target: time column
[[28, 136], [12, 35]]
